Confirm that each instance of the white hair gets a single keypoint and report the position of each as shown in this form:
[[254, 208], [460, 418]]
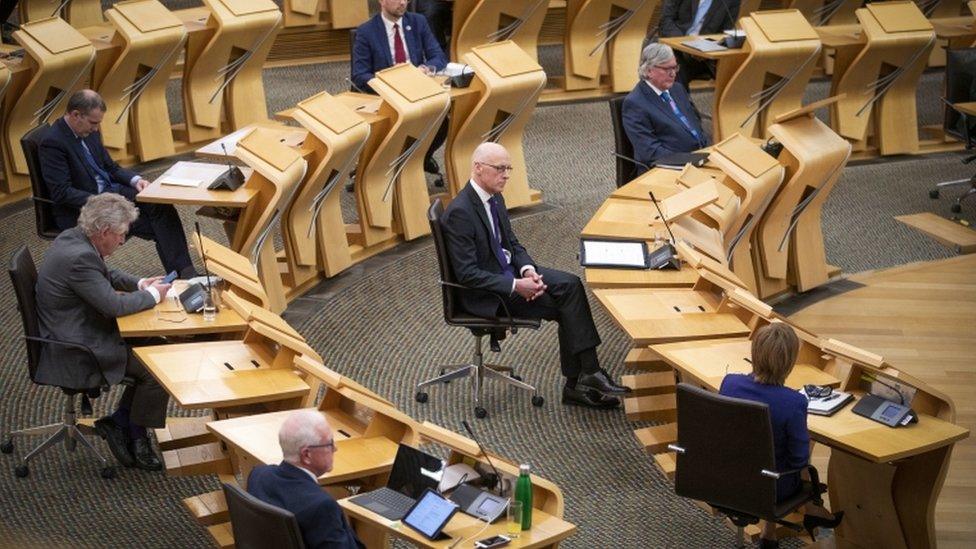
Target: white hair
[[301, 428], [654, 54], [106, 211]]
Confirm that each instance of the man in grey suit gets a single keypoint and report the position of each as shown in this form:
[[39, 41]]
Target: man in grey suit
[[78, 299]]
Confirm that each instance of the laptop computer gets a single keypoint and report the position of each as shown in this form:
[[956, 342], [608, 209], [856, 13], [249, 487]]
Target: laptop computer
[[413, 473]]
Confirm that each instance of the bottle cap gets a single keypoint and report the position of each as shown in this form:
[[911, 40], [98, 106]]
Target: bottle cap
[[524, 469]]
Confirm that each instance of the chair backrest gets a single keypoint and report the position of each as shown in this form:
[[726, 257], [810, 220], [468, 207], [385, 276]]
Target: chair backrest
[[727, 442], [626, 170], [960, 78], [23, 277], [260, 525], [352, 46], [434, 214], [43, 211]]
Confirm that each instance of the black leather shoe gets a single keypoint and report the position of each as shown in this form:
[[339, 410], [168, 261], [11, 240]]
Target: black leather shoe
[[590, 398], [600, 381], [118, 441], [146, 458], [431, 166]]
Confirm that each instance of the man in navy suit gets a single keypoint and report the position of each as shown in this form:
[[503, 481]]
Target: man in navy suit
[[391, 37], [658, 115], [485, 255], [693, 18], [75, 166], [308, 449]]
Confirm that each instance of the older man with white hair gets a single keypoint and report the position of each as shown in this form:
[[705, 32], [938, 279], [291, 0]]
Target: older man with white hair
[[659, 117], [308, 449]]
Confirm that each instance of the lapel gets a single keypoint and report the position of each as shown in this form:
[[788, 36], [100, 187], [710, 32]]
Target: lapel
[[479, 207], [410, 36], [384, 44], [660, 103], [75, 146]]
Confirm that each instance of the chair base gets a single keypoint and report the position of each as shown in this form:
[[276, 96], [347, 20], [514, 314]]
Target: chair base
[[957, 207]]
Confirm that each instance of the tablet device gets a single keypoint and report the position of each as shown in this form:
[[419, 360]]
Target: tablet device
[[430, 514], [614, 254]]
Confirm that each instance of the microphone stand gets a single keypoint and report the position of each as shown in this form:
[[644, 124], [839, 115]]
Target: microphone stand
[[665, 257]]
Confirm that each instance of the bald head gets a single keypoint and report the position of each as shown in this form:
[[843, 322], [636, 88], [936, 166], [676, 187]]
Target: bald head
[[490, 167]]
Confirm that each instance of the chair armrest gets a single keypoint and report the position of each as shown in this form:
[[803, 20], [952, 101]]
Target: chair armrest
[[43, 200], [69, 345], [511, 321]]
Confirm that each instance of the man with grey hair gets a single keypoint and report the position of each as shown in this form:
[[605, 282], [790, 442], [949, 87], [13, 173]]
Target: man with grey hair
[[75, 166], [658, 115], [308, 449], [78, 299]]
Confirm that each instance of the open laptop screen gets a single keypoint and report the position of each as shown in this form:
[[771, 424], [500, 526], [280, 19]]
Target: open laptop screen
[[414, 471]]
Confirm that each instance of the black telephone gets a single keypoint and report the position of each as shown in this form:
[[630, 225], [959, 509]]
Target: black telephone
[[230, 180]]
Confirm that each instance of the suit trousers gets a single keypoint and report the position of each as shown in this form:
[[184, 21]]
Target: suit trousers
[[161, 224], [693, 68], [146, 399], [564, 301]]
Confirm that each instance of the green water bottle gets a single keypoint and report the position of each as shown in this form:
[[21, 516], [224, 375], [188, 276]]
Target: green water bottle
[[523, 493]]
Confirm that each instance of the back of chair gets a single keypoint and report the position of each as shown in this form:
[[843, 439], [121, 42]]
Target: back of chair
[[352, 46], [434, 214], [626, 170], [260, 525], [43, 212], [727, 442], [23, 277], [960, 78]]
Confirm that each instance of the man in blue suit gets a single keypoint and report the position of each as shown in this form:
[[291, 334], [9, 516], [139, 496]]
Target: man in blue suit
[[391, 37], [659, 117], [308, 449]]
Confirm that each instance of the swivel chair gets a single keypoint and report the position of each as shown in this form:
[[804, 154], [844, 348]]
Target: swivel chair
[[260, 525], [23, 276], [624, 149], [725, 458], [43, 211], [960, 87], [494, 328]]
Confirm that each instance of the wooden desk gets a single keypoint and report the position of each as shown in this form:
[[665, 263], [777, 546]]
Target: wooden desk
[[225, 147], [624, 218], [168, 318], [677, 44], [546, 530], [156, 192], [947, 28], [840, 36], [640, 278]]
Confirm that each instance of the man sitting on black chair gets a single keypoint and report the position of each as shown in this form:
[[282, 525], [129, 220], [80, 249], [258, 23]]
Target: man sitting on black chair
[[78, 299], [485, 254], [76, 166]]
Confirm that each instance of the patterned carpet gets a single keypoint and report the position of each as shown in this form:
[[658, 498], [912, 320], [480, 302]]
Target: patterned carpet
[[612, 492]]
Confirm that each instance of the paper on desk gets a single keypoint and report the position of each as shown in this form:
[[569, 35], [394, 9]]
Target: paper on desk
[[703, 44], [623, 254], [179, 181], [456, 69]]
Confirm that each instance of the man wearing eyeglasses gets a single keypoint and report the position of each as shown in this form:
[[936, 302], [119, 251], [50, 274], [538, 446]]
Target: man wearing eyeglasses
[[658, 115], [485, 254], [308, 449]]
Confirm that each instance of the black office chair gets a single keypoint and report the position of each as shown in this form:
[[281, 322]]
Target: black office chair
[[626, 168], [43, 211], [725, 458], [23, 276], [260, 525], [495, 328], [960, 87]]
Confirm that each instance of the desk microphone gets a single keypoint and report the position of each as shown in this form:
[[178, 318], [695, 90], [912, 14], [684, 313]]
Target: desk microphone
[[632, 161], [203, 256], [497, 478], [664, 257], [231, 179]]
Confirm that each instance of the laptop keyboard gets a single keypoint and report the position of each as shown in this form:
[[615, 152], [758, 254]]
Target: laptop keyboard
[[386, 502]]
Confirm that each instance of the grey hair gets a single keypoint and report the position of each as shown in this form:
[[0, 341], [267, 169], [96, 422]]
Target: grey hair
[[106, 211], [654, 54], [85, 101], [300, 429]]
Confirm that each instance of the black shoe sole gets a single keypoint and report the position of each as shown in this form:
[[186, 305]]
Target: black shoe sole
[[571, 402], [608, 392]]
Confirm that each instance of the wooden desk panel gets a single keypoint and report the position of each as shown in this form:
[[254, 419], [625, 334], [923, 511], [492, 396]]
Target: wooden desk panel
[[156, 192], [640, 278], [169, 319]]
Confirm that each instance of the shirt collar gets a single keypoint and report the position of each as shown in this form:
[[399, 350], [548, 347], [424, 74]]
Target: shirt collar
[[482, 194], [306, 471], [389, 24], [657, 91]]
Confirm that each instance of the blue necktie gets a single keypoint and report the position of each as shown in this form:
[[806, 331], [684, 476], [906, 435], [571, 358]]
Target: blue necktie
[[684, 120], [497, 240], [102, 179]]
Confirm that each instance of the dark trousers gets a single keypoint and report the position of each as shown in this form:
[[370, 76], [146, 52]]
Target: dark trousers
[[564, 302], [161, 224], [439, 14], [7, 9], [438, 140], [146, 400], [693, 68]]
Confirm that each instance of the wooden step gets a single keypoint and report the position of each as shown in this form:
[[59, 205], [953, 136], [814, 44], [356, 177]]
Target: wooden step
[[651, 383], [655, 439], [666, 463], [651, 408], [643, 358], [202, 459], [960, 238], [208, 509], [181, 432], [222, 535]]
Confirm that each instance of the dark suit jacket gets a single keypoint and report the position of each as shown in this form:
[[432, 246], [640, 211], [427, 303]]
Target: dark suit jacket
[[69, 178], [653, 128], [78, 300], [371, 52], [678, 15], [319, 516], [467, 230]]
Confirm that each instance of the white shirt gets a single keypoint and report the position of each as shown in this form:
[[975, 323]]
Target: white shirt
[[389, 37], [657, 91], [152, 291], [485, 197]]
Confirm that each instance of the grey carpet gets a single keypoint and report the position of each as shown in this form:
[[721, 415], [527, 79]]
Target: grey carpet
[[384, 328]]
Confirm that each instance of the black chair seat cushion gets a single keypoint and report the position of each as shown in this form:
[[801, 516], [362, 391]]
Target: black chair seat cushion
[[477, 322]]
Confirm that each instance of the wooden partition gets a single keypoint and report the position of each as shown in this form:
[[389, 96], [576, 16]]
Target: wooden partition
[[334, 14], [828, 12], [479, 22], [79, 13]]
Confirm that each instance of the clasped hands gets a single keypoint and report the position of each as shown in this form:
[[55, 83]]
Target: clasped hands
[[530, 286]]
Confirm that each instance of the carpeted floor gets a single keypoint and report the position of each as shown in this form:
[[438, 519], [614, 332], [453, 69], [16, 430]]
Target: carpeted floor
[[384, 328]]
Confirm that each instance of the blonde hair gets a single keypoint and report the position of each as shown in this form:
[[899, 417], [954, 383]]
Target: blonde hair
[[106, 211], [774, 350]]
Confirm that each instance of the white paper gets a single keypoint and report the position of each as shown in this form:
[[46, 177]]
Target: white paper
[[703, 44], [456, 69], [179, 181], [622, 254]]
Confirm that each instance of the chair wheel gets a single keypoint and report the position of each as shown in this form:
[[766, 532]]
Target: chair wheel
[[420, 397], [7, 446], [516, 377], [934, 193], [537, 400], [480, 412], [956, 208], [108, 472], [21, 471]]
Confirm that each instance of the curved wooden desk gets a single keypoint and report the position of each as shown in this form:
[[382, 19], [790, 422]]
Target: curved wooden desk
[[605, 29], [80, 13], [480, 22]]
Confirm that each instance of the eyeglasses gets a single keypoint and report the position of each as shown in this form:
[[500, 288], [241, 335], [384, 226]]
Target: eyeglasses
[[669, 70], [497, 168], [817, 391], [330, 445]]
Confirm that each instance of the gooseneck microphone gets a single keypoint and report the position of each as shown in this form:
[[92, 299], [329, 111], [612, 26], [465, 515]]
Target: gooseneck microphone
[[203, 256], [663, 218], [664, 257], [498, 476]]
